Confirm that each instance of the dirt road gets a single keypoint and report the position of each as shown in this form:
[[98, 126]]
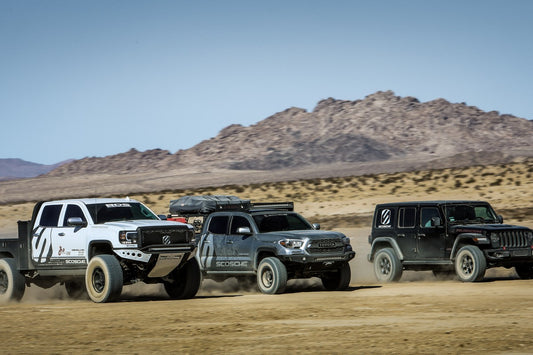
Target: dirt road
[[417, 315]]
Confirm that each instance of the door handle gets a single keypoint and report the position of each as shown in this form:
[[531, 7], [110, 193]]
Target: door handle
[[401, 235], [61, 234], [229, 242], [421, 235]]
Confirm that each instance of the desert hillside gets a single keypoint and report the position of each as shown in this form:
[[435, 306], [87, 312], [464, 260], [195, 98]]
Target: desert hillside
[[349, 201], [381, 127]]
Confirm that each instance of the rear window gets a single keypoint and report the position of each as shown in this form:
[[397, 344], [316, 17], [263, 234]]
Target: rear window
[[50, 216], [407, 217]]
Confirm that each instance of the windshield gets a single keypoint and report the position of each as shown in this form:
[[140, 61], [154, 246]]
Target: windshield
[[470, 213], [120, 211], [280, 222]]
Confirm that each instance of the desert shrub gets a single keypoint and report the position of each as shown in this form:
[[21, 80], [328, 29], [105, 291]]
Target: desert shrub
[[458, 184], [497, 182], [470, 181]]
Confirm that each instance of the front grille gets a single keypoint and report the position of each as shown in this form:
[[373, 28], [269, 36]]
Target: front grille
[[514, 239], [325, 246], [149, 236]]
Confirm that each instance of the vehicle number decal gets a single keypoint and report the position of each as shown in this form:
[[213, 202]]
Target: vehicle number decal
[[385, 218]]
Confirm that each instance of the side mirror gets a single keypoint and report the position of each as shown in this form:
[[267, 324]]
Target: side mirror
[[316, 226], [162, 217], [76, 222], [244, 230], [500, 218]]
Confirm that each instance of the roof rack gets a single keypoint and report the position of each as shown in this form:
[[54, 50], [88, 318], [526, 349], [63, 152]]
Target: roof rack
[[204, 205], [284, 206]]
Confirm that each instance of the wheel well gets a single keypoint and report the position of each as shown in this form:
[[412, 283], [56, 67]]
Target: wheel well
[[99, 248], [6, 255], [261, 255]]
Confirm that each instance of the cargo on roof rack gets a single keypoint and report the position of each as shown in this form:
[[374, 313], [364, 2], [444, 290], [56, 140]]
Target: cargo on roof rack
[[203, 205]]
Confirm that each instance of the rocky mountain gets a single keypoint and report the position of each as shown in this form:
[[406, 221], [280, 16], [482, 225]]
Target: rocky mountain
[[18, 168], [381, 127]]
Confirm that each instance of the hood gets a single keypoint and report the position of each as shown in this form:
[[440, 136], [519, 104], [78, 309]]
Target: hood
[[302, 234], [472, 228], [134, 224]]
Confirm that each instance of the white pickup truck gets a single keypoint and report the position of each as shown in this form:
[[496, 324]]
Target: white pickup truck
[[97, 246]]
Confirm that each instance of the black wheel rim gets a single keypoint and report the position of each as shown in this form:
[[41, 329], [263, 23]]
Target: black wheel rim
[[4, 282], [98, 280], [385, 266], [467, 265]]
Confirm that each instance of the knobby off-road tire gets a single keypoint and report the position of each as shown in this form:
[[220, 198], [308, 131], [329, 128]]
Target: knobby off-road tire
[[12, 284], [338, 280], [185, 281], [271, 276], [76, 288], [470, 264], [525, 272], [104, 279], [387, 265]]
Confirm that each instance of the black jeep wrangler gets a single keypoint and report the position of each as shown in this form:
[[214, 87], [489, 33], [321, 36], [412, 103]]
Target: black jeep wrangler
[[448, 237]]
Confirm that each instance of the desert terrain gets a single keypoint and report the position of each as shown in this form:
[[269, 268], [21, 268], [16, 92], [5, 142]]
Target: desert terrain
[[416, 315]]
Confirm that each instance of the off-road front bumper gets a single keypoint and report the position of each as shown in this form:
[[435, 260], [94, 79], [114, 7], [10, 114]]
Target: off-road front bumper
[[310, 259]]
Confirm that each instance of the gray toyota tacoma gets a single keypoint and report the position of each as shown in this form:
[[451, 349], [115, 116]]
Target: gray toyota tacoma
[[267, 241]]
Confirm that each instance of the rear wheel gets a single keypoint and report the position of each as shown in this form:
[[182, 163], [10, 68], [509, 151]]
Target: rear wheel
[[525, 272], [12, 282], [185, 281], [470, 264], [76, 288], [338, 280], [104, 278], [387, 265], [271, 276]]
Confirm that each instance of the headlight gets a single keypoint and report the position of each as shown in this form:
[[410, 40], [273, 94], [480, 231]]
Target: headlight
[[292, 243], [127, 237], [494, 239]]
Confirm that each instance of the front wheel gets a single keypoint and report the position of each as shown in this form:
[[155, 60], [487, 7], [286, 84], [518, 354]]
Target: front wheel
[[470, 264], [185, 281], [387, 266], [338, 280], [12, 282], [271, 276], [104, 278]]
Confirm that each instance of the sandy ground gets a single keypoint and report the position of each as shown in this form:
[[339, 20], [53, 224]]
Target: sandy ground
[[416, 315]]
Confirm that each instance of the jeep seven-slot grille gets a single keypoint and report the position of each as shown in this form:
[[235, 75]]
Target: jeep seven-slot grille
[[326, 246], [513, 239], [164, 236]]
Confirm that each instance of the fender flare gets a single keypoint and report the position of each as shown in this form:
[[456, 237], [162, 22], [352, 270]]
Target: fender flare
[[261, 250], [466, 239], [385, 240]]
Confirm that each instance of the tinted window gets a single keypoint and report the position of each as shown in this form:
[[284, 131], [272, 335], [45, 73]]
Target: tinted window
[[73, 211], [281, 222], [238, 222], [406, 217], [426, 214], [119, 211], [219, 225], [50, 216]]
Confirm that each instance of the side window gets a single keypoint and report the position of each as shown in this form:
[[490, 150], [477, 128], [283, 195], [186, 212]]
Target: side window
[[50, 216], [219, 225], [384, 218], [73, 211], [238, 222], [426, 213], [407, 217]]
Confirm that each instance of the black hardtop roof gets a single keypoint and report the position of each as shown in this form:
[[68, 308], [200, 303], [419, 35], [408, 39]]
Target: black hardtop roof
[[430, 203]]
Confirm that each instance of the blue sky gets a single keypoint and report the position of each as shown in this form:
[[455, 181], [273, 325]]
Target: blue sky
[[95, 78]]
